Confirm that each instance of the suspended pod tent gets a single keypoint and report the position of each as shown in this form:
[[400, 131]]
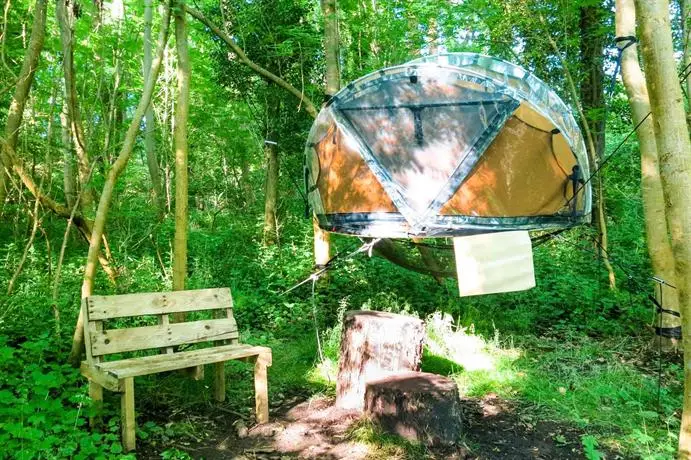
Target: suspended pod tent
[[447, 145]]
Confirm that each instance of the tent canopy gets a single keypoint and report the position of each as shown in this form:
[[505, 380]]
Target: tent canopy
[[446, 145]]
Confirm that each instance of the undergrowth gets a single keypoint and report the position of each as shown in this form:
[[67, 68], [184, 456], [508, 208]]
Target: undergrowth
[[568, 350]]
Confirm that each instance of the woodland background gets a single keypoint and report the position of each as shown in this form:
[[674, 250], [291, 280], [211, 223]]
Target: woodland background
[[572, 350]]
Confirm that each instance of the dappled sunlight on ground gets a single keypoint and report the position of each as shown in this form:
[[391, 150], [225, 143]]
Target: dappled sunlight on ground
[[312, 429], [324, 373], [459, 345]]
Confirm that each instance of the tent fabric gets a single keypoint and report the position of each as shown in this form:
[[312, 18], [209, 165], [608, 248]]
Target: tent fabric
[[446, 146]]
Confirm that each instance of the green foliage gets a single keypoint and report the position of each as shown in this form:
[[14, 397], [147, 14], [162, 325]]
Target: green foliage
[[384, 445], [43, 407], [590, 448]]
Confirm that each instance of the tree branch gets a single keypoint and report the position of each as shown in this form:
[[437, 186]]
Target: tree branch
[[267, 75]]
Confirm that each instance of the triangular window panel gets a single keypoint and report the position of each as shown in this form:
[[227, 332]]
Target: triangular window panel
[[427, 147]]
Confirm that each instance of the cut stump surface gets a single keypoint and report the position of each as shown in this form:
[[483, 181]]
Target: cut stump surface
[[418, 406]]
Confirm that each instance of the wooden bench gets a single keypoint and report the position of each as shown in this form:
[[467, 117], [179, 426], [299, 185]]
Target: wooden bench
[[118, 375]]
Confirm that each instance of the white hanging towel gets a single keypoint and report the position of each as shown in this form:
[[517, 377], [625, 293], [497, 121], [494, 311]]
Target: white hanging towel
[[494, 262]]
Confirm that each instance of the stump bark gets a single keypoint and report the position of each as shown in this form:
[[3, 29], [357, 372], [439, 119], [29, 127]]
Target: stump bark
[[418, 406], [374, 344]]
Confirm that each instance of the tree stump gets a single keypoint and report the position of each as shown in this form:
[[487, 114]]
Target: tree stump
[[373, 344], [418, 406]]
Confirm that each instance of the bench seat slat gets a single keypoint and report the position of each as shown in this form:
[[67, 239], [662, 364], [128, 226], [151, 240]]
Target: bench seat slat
[[163, 335], [157, 303], [134, 367]]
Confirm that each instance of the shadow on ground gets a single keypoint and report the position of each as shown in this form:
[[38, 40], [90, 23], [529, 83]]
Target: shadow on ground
[[494, 428]]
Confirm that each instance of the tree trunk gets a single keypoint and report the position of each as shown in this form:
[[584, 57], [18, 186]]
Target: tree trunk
[[374, 344], [593, 74], [64, 10], [593, 101], [8, 155], [271, 181], [15, 113], [685, 12], [598, 204], [659, 246], [106, 195], [322, 239], [182, 108], [180, 140], [149, 122], [674, 149], [69, 178], [331, 47]]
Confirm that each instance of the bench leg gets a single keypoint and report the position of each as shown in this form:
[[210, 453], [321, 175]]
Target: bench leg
[[219, 382], [261, 393], [194, 372], [127, 414], [96, 395]]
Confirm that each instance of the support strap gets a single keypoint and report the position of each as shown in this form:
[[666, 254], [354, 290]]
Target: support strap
[[663, 310], [669, 332]]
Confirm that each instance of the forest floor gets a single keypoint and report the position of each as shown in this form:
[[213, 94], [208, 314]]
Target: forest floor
[[562, 396], [494, 428]]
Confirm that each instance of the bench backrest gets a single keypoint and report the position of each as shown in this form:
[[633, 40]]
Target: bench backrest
[[166, 335]]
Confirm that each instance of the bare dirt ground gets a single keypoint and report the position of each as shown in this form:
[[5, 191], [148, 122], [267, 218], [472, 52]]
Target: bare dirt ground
[[493, 429]]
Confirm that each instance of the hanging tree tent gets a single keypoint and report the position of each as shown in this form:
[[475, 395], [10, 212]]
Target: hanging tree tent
[[446, 145]]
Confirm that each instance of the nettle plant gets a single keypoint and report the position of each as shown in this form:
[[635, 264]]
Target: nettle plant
[[44, 408]]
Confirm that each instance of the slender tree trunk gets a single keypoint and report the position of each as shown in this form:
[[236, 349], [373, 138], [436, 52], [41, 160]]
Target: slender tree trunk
[[331, 47], [593, 101], [4, 170], [64, 10], [433, 36], [8, 155], [166, 117], [674, 149], [270, 194], [599, 212], [685, 12], [69, 183], [107, 194], [15, 113], [322, 240], [35, 214], [592, 82], [659, 246], [180, 140], [271, 179], [150, 133]]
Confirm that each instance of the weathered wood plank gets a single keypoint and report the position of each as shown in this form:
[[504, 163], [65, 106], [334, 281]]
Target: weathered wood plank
[[160, 336], [261, 393], [89, 326], [134, 367], [127, 415], [157, 303], [96, 395], [92, 373], [164, 320]]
